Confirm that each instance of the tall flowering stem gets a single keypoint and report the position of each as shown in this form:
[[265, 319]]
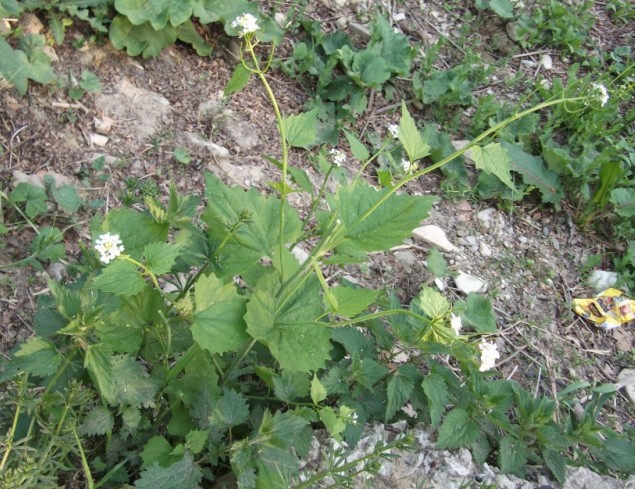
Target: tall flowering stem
[[250, 45]]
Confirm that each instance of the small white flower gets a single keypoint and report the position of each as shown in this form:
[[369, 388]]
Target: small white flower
[[109, 247], [456, 324], [489, 355], [353, 418], [601, 93], [405, 165], [245, 24], [393, 129], [337, 157]]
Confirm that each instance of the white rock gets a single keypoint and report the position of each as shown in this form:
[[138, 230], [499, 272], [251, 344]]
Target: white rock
[[103, 125], [433, 235], [546, 61], [280, 19], [98, 139], [439, 283], [460, 144], [484, 249], [626, 379], [467, 283], [485, 216], [602, 279], [300, 254], [215, 149]]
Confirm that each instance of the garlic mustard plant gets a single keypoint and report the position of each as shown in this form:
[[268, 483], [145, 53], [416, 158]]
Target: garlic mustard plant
[[456, 324], [338, 157], [393, 130], [245, 24], [601, 93], [489, 355]]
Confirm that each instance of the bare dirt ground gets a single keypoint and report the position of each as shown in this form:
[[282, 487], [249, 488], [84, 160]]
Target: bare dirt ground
[[530, 256]]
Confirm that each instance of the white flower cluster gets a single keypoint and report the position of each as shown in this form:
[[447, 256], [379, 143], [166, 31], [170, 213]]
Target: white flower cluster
[[337, 157], [489, 355], [456, 324], [602, 93], [109, 247], [406, 166], [245, 24], [393, 129]]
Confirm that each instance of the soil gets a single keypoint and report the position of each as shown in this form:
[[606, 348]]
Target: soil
[[530, 256]]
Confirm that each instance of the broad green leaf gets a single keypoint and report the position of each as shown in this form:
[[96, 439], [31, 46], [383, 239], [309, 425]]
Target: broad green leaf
[[480, 449], [98, 421], [131, 417], [437, 395], [291, 385], [318, 391], [357, 147], [253, 239], [367, 372], [35, 197], [354, 341], [135, 229], [351, 300], [238, 81], [157, 12], [394, 47], [181, 155], [367, 68], [46, 245], [333, 423], [534, 172], [121, 278], [617, 453], [432, 303], [97, 362], [185, 474], [210, 290], [493, 159], [436, 263], [623, 200], [38, 357], [512, 455], [157, 449], [556, 464], [209, 11], [230, 410], [479, 314], [186, 32], [300, 129], [160, 257], [457, 430], [373, 220], [409, 135], [195, 440], [90, 82], [399, 388], [503, 8], [67, 198], [289, 328], [17, 69], [140, 39], [10, 8]]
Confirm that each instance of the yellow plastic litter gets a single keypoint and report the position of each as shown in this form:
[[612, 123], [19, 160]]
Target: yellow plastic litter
[[609, 309]]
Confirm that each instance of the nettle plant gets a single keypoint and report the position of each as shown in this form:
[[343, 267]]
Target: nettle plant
[[192, 347]]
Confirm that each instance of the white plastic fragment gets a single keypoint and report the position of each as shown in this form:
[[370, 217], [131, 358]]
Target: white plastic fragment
[[602, 279]]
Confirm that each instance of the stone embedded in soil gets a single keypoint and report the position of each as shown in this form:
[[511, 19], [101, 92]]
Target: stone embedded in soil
[[98, 139], [602, 279], [468, 284], [433, 235], [626, 379], [485, 216], [103, 125]]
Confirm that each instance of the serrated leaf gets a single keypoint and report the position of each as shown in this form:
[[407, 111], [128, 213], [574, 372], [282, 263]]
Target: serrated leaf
[[195, 440], [623, 200], [399, 388], [435, 263], [38, 357], [512, 455], [230, 410], [185, 474], [479, 314], [534, 172], [357, 148], [291, 385], [16, 68], [90, 82], [556, 464], [318, 391], [140, 39], [238, 81], [135, 229], [333, 423], [437, 395], [258, 237], [367, 372], [367, 68], [394, 47], [300, 129], [457, 430], [67, 198], [121, 278], [493, 159], [351, 301], [432, 303], [98, 421], [480, 449], [372, 220], [290, 330], [160, 257], [409, 135], [131, 418]]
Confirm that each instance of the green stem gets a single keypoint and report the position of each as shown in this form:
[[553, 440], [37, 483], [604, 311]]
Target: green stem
[[238, 360], [11, 435], [182, 362], [89, 476], [315, 203], [146, 270], [19, 211]]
